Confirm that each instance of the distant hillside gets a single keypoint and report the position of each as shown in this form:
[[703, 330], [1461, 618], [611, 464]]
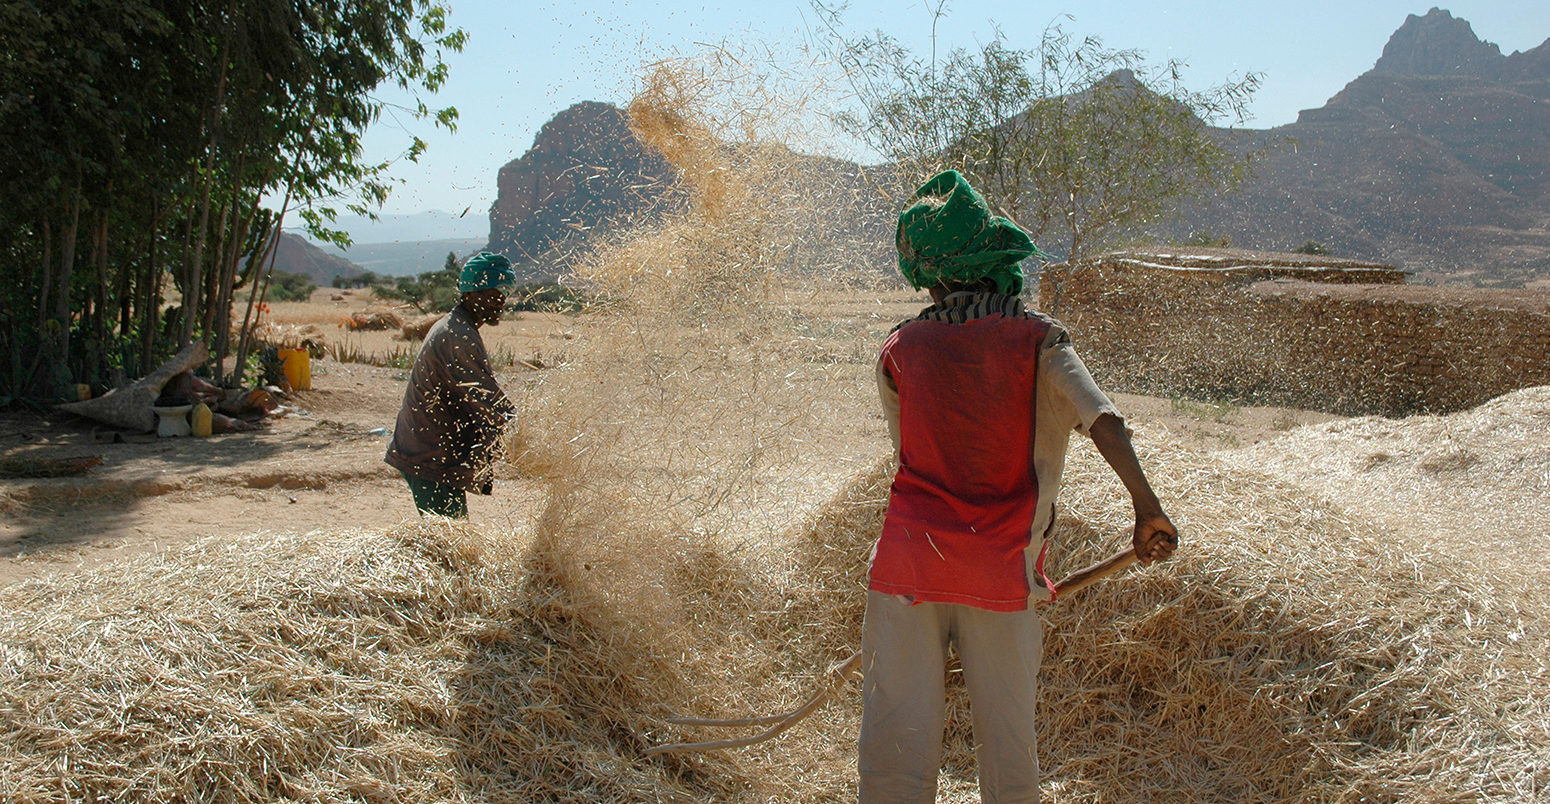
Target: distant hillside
[[408, 258], [1437, 159], [298, 256]]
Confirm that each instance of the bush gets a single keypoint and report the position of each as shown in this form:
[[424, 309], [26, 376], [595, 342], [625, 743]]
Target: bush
[[367, 279], [1207, 239], [1312, 247], [430, 292], [285, 286], [545, 297]]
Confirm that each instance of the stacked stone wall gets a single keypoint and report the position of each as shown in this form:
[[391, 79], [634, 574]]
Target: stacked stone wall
[[1349, 349]]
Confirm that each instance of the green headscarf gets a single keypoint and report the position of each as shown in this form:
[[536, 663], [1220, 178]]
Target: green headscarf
[[949, 235], [486, 271]]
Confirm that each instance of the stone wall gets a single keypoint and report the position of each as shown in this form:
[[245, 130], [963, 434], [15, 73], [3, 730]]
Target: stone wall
[[1285, 330]]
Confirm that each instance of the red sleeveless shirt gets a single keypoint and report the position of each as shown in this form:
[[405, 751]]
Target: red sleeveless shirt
[[962, 503]]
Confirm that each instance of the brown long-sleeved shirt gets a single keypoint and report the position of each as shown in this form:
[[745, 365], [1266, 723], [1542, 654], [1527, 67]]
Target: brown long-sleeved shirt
[[449, 428]]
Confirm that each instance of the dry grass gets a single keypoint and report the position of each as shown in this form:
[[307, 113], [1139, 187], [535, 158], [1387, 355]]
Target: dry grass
[[1475, 484], [715, 474], [426, 663]]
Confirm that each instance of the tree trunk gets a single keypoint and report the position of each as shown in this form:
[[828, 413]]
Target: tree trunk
[[195, 267], [59, 339], [150, 297], [125, 288], [261, 276], [46, 281], [210, 294], [227, 290], [97, 361]]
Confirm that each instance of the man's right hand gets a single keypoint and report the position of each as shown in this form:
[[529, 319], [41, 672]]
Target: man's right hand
[[1155, 537]]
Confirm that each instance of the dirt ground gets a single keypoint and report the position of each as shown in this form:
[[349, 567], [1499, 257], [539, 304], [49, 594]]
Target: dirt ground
[[319, 464]]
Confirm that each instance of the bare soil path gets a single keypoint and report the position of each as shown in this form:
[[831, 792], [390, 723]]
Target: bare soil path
[[320, 465], [317, 466]]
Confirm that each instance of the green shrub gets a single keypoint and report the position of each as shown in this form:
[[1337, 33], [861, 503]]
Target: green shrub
[[1312, 247], [285, 286]]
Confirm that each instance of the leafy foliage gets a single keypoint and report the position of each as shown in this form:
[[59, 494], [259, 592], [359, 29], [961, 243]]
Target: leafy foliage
[[430, 292], [142, 138], [1073, 140], [547, 297], [365, 279], [1210, 239], [1312, 247], [286, 286]]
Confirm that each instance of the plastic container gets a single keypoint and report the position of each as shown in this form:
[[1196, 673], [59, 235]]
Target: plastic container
[[298, 368], [199, 420], [171, 420]]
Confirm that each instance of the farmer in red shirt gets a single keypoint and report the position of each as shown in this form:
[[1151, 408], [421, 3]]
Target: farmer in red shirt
[[980, 397]]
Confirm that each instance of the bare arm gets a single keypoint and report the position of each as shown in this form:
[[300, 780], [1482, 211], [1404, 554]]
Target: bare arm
[[1155, 536]]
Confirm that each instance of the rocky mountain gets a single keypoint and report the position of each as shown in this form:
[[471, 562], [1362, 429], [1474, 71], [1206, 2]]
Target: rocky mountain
[[586, 173], [1437, 159], [298, 256]]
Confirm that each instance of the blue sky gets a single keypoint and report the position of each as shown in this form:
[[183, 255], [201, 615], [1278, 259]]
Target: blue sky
[[526, 61]]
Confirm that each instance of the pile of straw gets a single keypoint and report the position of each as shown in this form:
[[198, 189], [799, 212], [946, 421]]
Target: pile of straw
[[1473, 485], [1292, 651], [428, 663]]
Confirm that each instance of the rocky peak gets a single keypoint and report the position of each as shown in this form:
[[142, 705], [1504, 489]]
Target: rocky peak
[[585, 172], [1439, 44]]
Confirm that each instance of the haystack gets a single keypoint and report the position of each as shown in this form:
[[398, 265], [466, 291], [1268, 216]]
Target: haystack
[[415, 329], [429, 663], [1474, 485], [368, 320]]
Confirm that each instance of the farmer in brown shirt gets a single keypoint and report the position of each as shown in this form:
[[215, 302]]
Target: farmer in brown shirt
[[448, 431]]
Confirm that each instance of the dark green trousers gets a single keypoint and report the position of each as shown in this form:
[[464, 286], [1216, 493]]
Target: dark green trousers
[[438, 498]]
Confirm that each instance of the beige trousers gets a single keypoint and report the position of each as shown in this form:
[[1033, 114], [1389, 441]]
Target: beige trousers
[[904, 698]]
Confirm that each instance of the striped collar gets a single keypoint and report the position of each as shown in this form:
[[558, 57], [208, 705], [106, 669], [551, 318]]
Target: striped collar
[[969, 305]]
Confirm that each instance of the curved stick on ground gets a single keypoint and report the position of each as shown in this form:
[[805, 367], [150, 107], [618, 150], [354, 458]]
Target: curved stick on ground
[[841, 672]]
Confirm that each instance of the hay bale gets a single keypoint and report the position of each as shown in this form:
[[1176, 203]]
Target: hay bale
[[369, 320], [416, 329]]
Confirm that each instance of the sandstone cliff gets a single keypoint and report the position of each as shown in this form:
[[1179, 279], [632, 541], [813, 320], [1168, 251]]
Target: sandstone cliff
[[1437, 159], [586, 173]]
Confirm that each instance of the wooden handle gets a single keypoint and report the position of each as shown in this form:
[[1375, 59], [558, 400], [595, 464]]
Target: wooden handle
[[1088, 576]]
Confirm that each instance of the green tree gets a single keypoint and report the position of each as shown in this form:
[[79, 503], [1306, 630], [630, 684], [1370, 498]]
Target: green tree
[[142, 136], [430, 292], [286, 286], [1077, 142]]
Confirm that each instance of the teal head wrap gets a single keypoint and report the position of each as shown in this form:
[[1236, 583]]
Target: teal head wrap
[[948, 235], [486, 271]]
